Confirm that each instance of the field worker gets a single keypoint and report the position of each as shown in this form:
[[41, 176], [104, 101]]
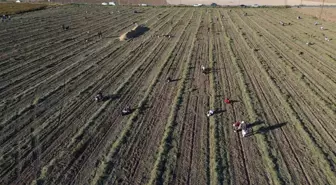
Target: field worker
[[99, 96], [210, 113], [3, 18], [244, 129], [203, 68], [236, 126], [322, 28], [126, 110], [316, 23], [227, 101]]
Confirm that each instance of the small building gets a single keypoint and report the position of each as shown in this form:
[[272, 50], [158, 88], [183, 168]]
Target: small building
[[111, 3], [197, 5], [143, 5], [104, 4], [18, 1]]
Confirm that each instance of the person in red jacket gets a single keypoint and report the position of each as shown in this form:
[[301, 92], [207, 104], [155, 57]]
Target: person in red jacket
[[227, 101], [236, 126]]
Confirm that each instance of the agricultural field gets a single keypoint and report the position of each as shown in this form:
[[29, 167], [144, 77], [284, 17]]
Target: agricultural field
[[52, 131]]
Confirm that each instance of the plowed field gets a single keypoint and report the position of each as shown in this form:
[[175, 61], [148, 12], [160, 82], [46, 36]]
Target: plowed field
[[52, 131]]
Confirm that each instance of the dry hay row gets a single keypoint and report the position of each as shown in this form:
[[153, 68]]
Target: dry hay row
[[76, 24], [294, 68], [94, 137], [263, 92], [74, 27], [36, 29], [302, 29], [56, 118], [54, 17], [268, 159], [316, 54], [138, 58], [220, 153], [30, 90], [80, 38], [43, 37], [70, 80], [305, 87], [115, 147], [319, 118], [163, 163], [305, 28], [228, 85], [60, 86], [25, 92], [252, 147], [152, 124], [270, 106], [188, 147], [323, 125], [149, 58], [173, 72], [31, 26], [34, 17], [108, 56], [285, 76], [320, 94], [313, 57], [265, 72], [330, 26], [117, 68]]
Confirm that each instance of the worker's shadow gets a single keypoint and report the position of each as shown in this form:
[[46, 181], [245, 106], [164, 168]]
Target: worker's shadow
[[142, 109], [175, 80], [111, 97], [258, 122], [234, 101], [207, 71], [219, 111], [264, 130]]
